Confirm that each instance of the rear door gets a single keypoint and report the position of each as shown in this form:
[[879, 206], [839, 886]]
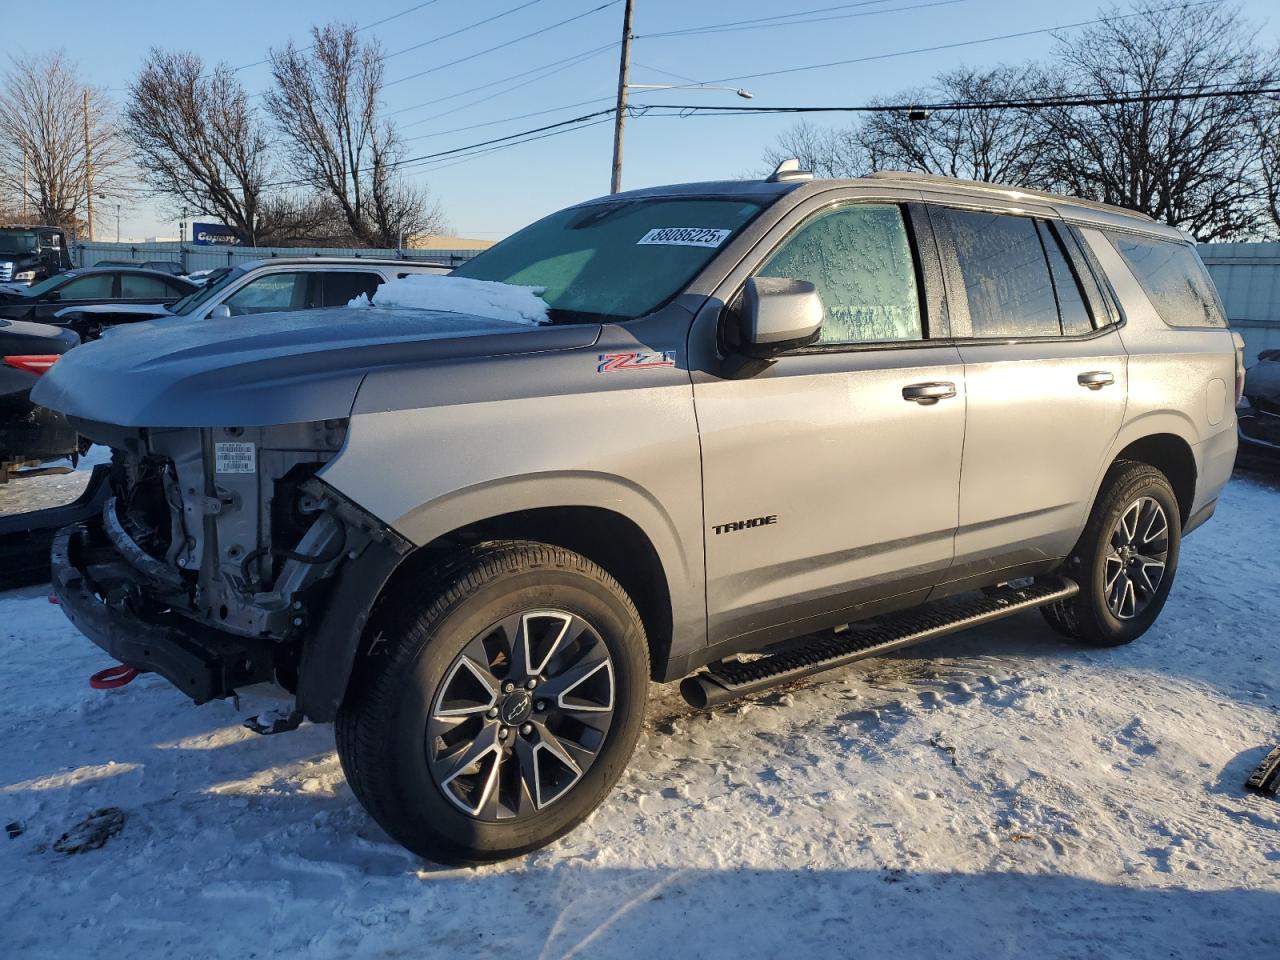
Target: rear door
[[1046, 376], [830, 477]]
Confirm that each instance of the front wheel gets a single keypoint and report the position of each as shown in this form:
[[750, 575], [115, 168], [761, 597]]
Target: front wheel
[[1125, 560], [492, 718]]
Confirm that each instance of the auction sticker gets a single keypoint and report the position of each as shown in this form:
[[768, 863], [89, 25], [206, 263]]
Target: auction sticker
[[234, 458], [685, 236]]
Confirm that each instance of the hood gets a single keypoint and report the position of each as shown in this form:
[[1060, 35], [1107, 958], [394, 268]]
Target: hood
[[273, 368]]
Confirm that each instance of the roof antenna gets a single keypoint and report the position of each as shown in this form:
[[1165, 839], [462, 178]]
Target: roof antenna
[[788, 169]]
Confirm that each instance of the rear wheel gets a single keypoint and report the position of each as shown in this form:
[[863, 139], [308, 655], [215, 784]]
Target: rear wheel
[[495, 716], [1125, 560]]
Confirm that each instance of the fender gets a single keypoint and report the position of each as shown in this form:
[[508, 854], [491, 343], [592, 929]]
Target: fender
[[1171, 422]]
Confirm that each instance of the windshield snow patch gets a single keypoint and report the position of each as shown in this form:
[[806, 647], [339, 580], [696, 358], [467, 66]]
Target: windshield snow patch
[[481, 298]]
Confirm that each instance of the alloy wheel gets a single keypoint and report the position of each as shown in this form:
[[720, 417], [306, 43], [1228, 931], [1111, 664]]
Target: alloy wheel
[[521, 715], [1136, 558]]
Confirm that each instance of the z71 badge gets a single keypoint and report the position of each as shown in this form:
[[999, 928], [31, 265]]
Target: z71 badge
[[610, 362]]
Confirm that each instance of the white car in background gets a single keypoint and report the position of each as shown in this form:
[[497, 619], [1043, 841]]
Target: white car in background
[[276, 285]]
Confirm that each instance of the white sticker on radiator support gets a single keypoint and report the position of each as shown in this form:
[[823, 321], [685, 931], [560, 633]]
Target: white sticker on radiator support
[[235, 458], [685, 236]]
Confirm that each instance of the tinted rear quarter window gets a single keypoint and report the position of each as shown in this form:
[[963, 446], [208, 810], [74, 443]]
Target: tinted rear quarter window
[[1174, 279]]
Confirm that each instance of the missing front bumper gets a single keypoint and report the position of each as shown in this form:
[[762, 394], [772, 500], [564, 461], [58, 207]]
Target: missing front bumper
[[90, 583]]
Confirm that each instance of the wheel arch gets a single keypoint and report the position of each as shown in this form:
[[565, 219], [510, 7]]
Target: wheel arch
[[1171, 454], [606, 537]]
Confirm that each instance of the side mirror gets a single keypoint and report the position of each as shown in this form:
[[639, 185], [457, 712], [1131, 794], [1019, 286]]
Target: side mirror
[[53, 295], [779, 314], [220, 312]]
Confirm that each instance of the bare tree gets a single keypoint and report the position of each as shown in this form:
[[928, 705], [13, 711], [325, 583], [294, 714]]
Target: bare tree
[[828, 152], [999, 144], [326, 107], [198, 141], [1188, 161], [43, 109]]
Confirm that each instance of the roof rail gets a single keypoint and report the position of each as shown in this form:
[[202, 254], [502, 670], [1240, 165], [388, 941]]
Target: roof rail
[[1008, 191]]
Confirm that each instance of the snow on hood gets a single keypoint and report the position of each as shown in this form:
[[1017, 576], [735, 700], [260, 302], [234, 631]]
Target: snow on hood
[[479, 298]]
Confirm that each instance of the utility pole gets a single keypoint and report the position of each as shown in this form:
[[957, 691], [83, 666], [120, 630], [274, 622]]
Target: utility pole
[[88, 167], [117, 223], [24, 184], [620, 114]]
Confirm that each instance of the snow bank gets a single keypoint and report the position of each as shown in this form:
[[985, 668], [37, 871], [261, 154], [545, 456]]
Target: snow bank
[[483, 298]]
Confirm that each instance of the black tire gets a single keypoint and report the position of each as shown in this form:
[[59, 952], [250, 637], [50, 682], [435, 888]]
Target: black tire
[[1089, 616], [412, 649]]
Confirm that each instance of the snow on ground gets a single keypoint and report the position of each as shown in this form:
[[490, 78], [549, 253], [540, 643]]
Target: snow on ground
[[36, 493], [997, 794], [481, 298]]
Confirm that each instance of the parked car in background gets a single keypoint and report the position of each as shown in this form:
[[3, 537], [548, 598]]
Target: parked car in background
[[120, 287], [1258, 416], [264, 286], [30, 435], [171, 267], [748, 417], [31, 254]]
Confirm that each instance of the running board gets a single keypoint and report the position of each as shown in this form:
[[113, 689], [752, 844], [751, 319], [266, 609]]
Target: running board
[[731, 679]]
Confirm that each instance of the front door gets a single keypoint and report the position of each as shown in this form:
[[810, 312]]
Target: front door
[[1047, 380], [831, 477]]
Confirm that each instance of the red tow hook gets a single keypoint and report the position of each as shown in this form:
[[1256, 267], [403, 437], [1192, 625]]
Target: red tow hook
[[112, 677]]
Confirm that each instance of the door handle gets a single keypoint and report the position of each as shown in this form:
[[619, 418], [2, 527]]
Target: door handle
[[1096, 379], [928, 393]]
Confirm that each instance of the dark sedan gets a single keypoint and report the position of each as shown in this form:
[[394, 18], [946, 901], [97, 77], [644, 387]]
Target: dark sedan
[[30, 435], [74, 288]]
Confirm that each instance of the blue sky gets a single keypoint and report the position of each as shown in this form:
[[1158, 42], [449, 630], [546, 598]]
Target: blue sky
[[489, 196]]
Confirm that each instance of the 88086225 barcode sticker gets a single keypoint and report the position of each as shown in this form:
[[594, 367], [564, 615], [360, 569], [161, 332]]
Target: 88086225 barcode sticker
[[685, 237], [234, 458]]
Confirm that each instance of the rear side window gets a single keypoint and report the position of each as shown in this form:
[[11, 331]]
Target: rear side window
[[860, 260], [136, 286], [340, 288], [1005, 274], [1174, 279]]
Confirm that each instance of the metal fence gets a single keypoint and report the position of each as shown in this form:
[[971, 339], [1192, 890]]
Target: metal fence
[[1247, 276], [193, 257]]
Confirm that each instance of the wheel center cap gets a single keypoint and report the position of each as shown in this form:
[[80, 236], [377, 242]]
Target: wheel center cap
[[515, 708]]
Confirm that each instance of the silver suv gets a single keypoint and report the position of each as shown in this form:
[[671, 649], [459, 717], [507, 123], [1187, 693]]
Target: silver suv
[[770, 427]]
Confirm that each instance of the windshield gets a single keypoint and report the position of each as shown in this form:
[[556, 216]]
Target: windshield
[[24, 242], [219, 280], [616, 260]]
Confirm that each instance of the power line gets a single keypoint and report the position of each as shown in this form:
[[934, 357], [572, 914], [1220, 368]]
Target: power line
[[470, 26], [753, 25], [1028, 103], [776, 16], [581, 56], [500, 46], [522, 116], [367, 26], [962, 43]]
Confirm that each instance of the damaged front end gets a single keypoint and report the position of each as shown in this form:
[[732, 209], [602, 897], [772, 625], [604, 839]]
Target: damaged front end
[[222, 560]]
